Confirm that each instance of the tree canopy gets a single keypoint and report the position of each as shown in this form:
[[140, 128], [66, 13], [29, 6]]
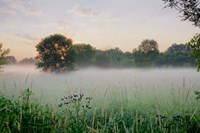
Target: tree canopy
[[190, 9], [177, 55], [174, 48], [55, 54], [195, 45], [147, 53], [85, 54]]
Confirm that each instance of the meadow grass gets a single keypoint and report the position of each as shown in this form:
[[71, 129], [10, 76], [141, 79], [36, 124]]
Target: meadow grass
[[118, 110], [73, 105]]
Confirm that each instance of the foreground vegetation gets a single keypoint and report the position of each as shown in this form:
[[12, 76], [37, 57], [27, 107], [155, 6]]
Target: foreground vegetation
[[77, 113]]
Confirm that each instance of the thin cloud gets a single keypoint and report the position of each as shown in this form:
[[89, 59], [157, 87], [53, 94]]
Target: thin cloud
[[16, 6], [63, 25], [27, 38], [27, 5], [84, 11], [59, 25], [114, 17], [90, 13]]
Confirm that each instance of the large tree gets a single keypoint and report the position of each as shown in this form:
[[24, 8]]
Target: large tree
[[190, 9], [55, 54], [147, 53], [3, 53]]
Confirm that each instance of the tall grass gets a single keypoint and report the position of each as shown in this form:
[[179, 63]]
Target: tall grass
[[115, 112], [80, 106]]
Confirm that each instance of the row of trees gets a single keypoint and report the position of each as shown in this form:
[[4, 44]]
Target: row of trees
[[57, 53], [5, 59], [12, 60]]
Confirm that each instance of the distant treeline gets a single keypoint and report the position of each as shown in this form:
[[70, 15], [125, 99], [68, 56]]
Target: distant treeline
[[177, 55], [12, 60], [146, 55]]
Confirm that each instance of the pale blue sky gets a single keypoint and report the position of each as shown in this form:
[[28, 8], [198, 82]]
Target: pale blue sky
[[102, 23]]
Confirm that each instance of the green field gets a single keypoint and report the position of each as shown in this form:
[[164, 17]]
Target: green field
[[97, 100]]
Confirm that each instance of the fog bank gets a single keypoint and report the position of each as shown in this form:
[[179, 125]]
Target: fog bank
[[95, 82]]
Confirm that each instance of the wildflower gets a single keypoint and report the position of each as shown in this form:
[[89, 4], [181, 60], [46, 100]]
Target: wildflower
[[66, 102], [60, 105], [161, 116], [88, 98], [81, 94], [75, 95], [70, 96], [177, 117]]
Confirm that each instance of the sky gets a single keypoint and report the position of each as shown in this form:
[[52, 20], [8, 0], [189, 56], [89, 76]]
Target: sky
[[104, 24]]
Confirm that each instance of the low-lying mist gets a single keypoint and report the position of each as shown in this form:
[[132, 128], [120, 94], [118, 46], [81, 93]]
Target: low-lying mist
[[97, 82]]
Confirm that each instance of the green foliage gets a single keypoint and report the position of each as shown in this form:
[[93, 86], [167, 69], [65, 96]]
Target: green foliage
[[111, 58], [197, 93], [85, 54], [177, 55], [77, 108], [75, 114], [178, 48], [189, 8], [116, 56], [102, 59], [127, 60], [55, 54], [3, 53], [194, 43], [25, 115], [147, 53]]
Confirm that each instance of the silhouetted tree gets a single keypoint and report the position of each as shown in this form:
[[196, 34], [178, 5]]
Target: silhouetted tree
[[147, 53], [55, 54], [190, 9]]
